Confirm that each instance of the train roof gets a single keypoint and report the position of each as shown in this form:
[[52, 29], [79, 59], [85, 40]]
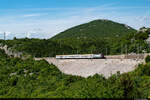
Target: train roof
[[79, 54]]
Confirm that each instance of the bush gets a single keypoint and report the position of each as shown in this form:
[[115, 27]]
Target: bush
[[147, 59]]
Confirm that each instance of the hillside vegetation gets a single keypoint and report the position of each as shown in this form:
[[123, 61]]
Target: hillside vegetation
[[29, 78], [96, 28], [130, 43], [36, 79], [102, 41]]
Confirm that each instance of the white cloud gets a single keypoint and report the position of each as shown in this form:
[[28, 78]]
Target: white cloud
[[46, 25], [33, 15]]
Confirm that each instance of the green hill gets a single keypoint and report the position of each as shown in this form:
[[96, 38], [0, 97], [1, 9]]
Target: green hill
[[73, 45], [96, 28]]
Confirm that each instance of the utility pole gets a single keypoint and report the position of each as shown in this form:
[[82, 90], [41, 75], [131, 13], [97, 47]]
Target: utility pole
[[60, 43], [121, 49], [4, 36], [126, 50], [91, 52], [139, 50], [106, 51]]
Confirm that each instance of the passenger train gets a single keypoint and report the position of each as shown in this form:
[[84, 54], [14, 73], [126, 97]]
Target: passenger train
[[81, 56]]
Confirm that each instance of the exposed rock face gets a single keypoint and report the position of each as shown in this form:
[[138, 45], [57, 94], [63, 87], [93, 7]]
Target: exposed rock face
[[10, 52], [143, 30]]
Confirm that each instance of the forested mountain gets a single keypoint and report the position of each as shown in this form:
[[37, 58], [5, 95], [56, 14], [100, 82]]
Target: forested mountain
[[96, 28], [134, 42]]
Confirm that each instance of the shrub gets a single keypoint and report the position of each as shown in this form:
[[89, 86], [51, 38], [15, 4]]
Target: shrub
[[147, 59]]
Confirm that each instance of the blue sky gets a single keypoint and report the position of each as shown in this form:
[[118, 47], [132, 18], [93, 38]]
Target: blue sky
[[46, 18]]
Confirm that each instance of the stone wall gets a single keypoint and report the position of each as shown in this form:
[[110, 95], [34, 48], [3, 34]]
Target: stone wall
[[90, 67], [129, 56]]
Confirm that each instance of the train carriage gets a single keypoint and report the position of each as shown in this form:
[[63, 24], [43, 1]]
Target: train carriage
[[81, 56]]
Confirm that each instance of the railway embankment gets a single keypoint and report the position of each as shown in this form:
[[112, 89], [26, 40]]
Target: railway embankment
[[90, 67]]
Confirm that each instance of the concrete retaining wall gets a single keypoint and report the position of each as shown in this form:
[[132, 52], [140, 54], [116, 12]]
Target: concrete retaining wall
[[89, 67], [129, 56]]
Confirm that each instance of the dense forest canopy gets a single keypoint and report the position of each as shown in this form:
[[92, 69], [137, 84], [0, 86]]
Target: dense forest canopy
[[29, 78], [36, 79], [96, 28], [131, 43]]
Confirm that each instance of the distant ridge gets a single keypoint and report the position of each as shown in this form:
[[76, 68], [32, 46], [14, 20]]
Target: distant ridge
[[96, 28]]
